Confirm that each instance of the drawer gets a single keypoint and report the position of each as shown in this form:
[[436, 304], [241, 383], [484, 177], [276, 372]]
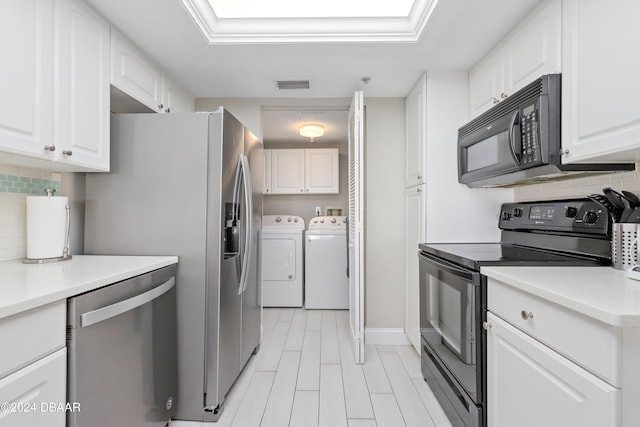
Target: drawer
[[590, 343], [28, 336], [35, 392]]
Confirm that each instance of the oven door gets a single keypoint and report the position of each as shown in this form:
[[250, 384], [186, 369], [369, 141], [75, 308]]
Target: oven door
[[451, 310]]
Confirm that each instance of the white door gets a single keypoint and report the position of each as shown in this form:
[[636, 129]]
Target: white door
[[356, 223]]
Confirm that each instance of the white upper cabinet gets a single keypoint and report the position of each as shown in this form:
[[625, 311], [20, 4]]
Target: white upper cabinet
[[287, 171], [302, 171], [26, 78], [530, 51], [601, 81], [134, 74], [81, 111], [321, 171], [175, 99], [54, 111], [416, 131]]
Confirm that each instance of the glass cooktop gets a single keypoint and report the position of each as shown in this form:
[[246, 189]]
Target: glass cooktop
[[475, 255]]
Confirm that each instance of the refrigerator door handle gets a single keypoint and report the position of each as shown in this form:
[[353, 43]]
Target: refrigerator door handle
[[248, 243]]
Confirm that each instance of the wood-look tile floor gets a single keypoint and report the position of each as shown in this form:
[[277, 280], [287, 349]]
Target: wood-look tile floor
[[305, 375]]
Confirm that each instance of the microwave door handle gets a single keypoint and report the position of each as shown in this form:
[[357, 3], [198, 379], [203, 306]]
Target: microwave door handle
[[512, 125]]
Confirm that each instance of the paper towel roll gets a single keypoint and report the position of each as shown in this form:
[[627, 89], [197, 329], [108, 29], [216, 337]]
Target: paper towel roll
[[46, 226]]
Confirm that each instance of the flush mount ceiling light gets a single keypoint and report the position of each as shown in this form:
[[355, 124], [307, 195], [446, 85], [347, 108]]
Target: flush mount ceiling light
[[292, 21], [312, 131]]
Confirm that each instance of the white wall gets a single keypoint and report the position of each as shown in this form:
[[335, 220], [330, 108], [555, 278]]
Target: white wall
[[384, 212], [579, 187]]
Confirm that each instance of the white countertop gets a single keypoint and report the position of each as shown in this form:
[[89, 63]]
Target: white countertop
[[602, 293], [27, 286]]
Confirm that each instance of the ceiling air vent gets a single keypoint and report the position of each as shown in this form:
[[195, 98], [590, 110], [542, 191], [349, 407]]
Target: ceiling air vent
[[292, 84]]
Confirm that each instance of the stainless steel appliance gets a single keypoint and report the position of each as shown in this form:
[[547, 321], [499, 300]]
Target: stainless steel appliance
[[518, 141], [122, 352], [453, 293], [190, 185]]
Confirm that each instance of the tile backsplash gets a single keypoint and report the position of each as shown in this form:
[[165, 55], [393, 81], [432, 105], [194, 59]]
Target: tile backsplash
[[16, 184], [579, 187]]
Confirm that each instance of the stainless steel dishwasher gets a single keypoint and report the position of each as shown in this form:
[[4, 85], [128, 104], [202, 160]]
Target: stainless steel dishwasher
[[122, 352]]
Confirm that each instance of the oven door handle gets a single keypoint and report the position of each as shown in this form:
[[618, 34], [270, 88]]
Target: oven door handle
[[449, 268]]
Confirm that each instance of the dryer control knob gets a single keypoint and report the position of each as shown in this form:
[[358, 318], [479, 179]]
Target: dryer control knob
[[278, 219], [333, 220], [322, 220], [289, 219], [295, 219], [315, 221]]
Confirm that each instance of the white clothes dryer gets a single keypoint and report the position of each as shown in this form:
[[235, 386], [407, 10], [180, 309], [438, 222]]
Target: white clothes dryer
[[282, 267], [326, 281]]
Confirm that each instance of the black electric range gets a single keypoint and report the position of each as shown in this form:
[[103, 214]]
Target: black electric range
[[453, 294]]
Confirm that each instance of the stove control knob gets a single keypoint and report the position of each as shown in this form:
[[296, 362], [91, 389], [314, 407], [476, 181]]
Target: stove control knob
[[590, 217], [506, 216], [517, 212]]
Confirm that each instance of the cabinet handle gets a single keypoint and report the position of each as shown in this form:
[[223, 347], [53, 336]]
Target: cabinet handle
[[486, 326], [419, 177], [526, 315], [564, 152], [67, 153], [418, 190], [50, 147], [503, 95], [167, 110], [495, 100], [302, 190], [307, 190], [161, 106]]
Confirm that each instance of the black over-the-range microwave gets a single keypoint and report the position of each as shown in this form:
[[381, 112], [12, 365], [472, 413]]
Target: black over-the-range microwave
[[518, 141]]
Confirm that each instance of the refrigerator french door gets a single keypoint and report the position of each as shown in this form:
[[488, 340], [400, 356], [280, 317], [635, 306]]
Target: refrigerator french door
[[189, 185]]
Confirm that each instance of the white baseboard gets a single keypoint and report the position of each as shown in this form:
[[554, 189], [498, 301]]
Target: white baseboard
[[385, 336]]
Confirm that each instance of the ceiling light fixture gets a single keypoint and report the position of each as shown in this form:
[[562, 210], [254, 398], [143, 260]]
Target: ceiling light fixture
[[312, 131]]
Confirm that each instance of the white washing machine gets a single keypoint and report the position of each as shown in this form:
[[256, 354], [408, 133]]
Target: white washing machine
[[325, 271], [282, 267]]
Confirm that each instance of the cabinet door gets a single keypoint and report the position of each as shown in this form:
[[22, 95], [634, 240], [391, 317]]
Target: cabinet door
[[416, 123], [267, 171], [26, 79], [414, 199], [600, 84], [82, 86], [530, 385], [176, 100], [321, 171], [287, 171], [486, 83], [134, 74], [32, 389], [534, 48]]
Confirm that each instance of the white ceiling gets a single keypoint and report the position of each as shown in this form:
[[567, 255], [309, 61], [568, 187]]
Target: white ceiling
[[457, 35]]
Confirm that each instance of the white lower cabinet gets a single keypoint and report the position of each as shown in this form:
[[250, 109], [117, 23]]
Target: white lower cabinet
[[36, 395], [33, 368], [531, 385]]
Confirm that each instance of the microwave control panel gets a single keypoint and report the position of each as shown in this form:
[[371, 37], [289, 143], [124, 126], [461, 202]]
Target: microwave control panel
[[529, 136]]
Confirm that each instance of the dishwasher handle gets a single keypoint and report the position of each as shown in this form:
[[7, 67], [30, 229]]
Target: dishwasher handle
[[95, 316]]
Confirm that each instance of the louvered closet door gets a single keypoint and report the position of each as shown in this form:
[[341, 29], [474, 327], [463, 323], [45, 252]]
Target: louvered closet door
[[356, 223]]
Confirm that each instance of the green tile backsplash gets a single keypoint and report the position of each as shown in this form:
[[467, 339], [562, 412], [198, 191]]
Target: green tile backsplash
[[26, 185]]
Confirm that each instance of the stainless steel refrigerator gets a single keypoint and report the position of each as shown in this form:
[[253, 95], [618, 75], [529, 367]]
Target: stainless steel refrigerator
[[190, 185]]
